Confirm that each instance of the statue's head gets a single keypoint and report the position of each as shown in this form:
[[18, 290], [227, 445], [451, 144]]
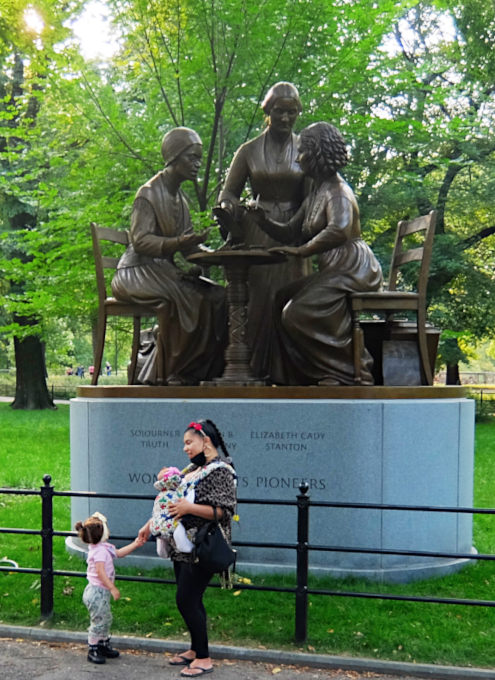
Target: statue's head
[[182, 150], [282, 105], [322, 150]]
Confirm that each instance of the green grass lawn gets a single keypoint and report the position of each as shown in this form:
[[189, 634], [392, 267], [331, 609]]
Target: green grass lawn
[[33, 443]]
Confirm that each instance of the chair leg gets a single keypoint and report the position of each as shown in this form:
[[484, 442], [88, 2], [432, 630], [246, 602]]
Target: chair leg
[[160, 358], [100, 344], [423, 346], [136, 337], [357, 340]]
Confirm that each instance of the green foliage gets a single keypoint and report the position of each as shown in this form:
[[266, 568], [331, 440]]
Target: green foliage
[[410, 84], [449, 351]]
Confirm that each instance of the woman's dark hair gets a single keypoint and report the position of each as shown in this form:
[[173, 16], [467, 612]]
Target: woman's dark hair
[[326, 147], [212, 431], [91, 531]]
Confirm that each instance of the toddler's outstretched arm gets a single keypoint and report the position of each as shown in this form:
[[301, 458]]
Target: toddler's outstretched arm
[[145, 532], [127, 549]]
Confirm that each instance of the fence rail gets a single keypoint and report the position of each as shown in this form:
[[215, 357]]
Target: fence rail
[[56, 391], [302, 547], [471, 377]]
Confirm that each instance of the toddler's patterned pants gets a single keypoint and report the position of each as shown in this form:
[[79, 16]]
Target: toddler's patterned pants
[[97, 600]]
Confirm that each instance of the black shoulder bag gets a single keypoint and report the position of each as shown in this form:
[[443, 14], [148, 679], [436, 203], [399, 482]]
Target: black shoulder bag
[[211, 550]]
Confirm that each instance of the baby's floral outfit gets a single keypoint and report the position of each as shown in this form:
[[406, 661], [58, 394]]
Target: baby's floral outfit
[[172, 488]]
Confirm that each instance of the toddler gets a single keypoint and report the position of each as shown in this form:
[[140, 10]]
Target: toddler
[[101, 576]]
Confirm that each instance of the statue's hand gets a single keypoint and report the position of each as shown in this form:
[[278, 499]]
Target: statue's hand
[[286, 250], [192, 275], [224, 217], [192, 240], [256, 213], [195, 271], [227, 205], [231, 245]]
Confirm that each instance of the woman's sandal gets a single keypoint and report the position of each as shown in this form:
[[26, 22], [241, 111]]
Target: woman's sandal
[[202, 671], [185, 661]]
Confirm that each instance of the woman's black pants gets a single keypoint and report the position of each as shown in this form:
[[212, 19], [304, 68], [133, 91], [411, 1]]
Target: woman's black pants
[[191, 585]]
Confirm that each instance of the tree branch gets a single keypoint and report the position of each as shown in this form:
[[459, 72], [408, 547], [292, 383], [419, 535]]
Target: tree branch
[[263, 87], [219, 104], [111, 125], [473, 240], [452, 172], [398, 37], [157, 76], [177, 69]]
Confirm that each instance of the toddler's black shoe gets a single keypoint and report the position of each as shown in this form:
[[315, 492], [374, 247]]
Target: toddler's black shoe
[[106, 650], [95, 655]]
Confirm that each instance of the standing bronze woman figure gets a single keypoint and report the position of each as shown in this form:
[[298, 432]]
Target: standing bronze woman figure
[[313, 325], [195, 310], [268, 162]]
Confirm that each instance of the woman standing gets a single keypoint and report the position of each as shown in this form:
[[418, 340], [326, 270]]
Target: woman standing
[[194, 310], [268, 162], [216, 489], [313, 339]]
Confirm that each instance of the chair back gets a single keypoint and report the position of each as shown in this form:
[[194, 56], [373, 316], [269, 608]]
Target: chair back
[[400, 257], [101, 263]]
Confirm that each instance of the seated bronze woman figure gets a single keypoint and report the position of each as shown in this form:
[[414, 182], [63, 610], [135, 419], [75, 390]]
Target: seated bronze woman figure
[[194, 309], [312, 341]]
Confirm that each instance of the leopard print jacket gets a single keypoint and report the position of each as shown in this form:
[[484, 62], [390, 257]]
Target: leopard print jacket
[[217, 489]]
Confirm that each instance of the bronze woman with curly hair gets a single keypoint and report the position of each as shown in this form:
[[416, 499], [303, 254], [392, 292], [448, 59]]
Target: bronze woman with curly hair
[[312, 343]]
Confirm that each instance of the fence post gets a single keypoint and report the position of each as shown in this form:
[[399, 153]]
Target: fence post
[[302, 564], [46, 548]]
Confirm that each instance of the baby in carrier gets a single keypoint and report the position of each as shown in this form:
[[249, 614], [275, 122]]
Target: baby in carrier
[[169, 485], [172, 487]]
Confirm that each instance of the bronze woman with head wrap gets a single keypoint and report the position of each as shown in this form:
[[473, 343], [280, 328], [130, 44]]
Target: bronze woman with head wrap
[[160, 228], [176, 141], [268, 163], [312, 342]]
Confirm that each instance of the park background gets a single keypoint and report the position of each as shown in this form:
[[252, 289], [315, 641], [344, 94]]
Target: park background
[[410, 84], [412, 87]]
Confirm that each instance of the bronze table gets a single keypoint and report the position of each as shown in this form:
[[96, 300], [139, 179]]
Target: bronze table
[[236, 264]]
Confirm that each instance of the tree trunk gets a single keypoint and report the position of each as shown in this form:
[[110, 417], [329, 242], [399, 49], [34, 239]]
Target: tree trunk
[[453, 377], [31, 392]]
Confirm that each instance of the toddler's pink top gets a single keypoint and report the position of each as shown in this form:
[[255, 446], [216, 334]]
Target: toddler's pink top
[[101, 552]]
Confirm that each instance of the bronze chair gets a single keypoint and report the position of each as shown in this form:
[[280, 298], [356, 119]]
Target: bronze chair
[[109, 306], [392, 300]]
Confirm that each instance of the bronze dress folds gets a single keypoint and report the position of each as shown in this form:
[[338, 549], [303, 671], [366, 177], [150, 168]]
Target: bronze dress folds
[[195, 311], [312, 316], [277, 179]]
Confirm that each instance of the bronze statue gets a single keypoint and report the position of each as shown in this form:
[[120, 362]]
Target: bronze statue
[[195, 308], [312, 343], [268, 162]]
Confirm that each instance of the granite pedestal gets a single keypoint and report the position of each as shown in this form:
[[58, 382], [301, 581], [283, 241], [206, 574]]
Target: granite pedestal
[[379, 447]]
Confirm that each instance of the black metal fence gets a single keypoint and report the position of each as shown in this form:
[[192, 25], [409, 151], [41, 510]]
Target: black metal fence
[[471, 377], [302, 547], [56, 391], [484, 399]]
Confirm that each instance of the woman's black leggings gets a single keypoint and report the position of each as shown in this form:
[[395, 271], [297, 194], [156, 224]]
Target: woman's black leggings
[[191, 585]]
